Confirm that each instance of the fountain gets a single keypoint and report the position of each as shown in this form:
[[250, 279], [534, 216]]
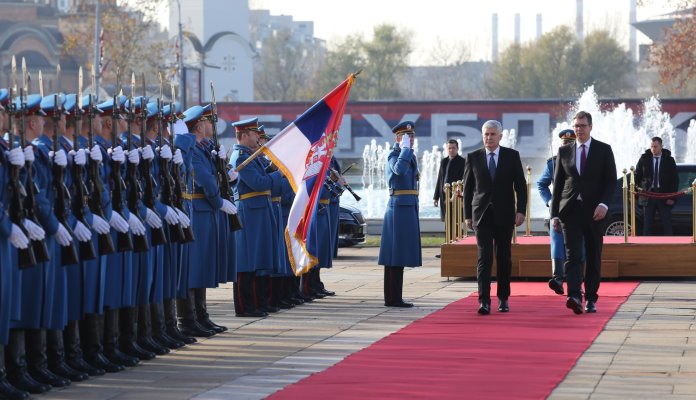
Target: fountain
[[616, 127]]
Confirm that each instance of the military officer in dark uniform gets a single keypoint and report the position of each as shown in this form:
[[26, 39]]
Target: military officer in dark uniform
[[401, 245]]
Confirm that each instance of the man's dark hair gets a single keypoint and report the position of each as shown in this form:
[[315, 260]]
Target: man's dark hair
[[657, 139], [584, 114], [454, 142]]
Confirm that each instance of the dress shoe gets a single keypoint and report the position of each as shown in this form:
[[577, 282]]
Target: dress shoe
[[285, 305], [176, 334], [590, 307], [117, 357], [79, 364], [318, 295], [503, 306], [132, 349], [399, 304], [7, 391], [99, 361], [149, 344], [484, 308], [438, 256], [556, 285], [208, 324], [574, 304], [64, 371], [296, 301], [269, 309], [328, 292], [168, 341], [253, 314], [195, 329], [47, 377], [26, 383], [307, 298]]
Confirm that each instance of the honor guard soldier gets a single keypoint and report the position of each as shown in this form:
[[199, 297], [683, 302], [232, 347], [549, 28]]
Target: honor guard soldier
[[252, 191], [26, 358], [119, 279], [401, 245], [12, 238], [204, 194], [320, 228]]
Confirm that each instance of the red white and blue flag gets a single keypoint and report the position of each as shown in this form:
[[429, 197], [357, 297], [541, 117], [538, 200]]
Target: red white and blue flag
[[303, 151]]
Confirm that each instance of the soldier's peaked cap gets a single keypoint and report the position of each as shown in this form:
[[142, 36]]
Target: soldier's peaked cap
[[404, 127], [251, 124]]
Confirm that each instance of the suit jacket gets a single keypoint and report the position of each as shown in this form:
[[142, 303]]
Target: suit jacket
[[596, 185], [482, 194], [669, 178], [455, 173]]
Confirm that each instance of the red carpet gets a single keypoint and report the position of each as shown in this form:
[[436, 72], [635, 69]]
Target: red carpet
[[522, 240], [455, 353]]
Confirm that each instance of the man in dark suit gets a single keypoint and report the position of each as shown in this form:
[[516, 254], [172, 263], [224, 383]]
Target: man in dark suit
[[492, 177], [583, 185], [657, 162], [451, 170]]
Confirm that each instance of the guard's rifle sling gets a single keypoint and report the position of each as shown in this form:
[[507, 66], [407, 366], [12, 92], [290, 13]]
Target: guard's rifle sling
[[124, 242], [221, 167], [26, 257], [61, 204], [177, 194], [176, 233], [140, 243]]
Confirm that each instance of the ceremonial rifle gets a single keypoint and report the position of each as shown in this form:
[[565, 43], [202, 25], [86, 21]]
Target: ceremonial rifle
[[159, 237], [177, 194], [221, 167]]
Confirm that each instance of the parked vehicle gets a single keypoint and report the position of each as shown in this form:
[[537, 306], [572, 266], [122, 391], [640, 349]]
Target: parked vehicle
[[681, 212], [351, 226]]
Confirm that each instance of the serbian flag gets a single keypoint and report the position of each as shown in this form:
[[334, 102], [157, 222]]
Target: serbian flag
[[303, 151]]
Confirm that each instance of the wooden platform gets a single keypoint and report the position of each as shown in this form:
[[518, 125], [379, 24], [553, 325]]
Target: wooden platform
[[642, 257]]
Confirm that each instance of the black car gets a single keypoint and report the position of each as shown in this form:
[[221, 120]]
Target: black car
[[351, 226], [681, 212]]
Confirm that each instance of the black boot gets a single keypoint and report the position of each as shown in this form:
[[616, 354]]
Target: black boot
[[159, 332], [16, 364], [111, 341], [145, 339], [92, 336], [56, 358], [202, 316], [315, 284], [128, 326], [305, 288], [393, 287], [73, 351], [293, 290], [279, 294], [243, 295], [172, 325], [37, 359], [188, 325], [262, 295], [7, 391], [320, 285]]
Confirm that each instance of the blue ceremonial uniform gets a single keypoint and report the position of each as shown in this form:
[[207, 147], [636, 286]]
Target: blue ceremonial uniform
[[9, 274], [321, 229], [282, 199], [185, 142], [252, 192], [334, 208], [401, 245]]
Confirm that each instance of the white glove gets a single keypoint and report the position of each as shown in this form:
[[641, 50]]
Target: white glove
[[118, 223], [133, 156], [117, 154], [405, 141], [171, 216], [228, 207], [82, 234], [35, 231], [180, 127], [95, 154], [136, 226], [153, 219], [178, 158], [29, 154], [62, 236], [223, 151], [232, 174], [183, 218], [79, 156], [148, 154], [18, 238], [100, 225], [59, 158], [165, 152], [16, 157]]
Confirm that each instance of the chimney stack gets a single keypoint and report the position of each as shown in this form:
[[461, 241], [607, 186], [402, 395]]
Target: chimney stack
[[494, 35], [579, 18], [517, 29], [539, 30]]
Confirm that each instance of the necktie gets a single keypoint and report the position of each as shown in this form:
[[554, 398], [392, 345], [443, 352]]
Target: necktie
[[491, 166], [656, 174], [583, 158]]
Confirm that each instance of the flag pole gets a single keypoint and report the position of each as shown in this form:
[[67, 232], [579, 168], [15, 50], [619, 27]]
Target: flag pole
[[351, 79]]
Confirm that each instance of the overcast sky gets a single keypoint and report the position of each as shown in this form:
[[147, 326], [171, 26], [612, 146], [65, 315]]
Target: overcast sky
[[454, 22]]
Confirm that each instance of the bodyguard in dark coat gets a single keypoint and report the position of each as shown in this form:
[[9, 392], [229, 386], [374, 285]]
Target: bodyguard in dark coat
[[660, 160], [401, 245], [451, 170], [492, 177]]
